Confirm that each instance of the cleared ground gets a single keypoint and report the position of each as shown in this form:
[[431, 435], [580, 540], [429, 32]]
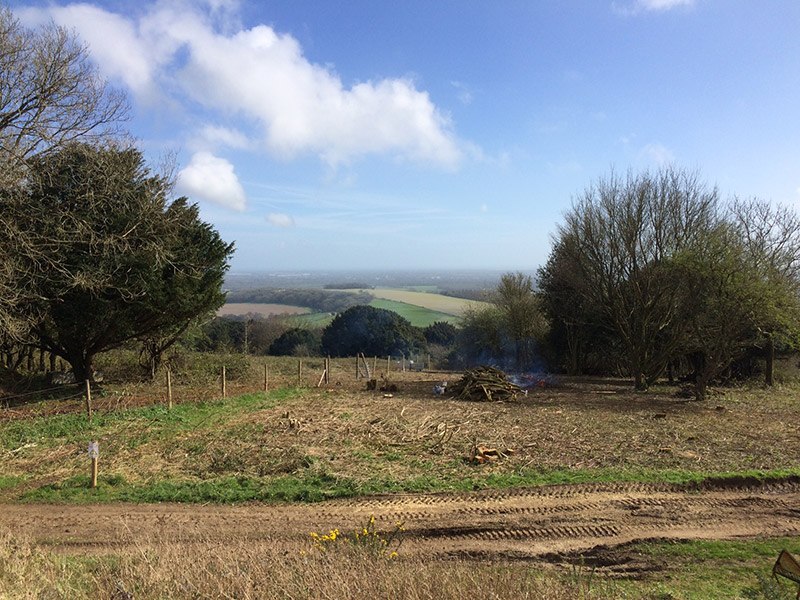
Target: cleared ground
[[545, 523], [634, 469]]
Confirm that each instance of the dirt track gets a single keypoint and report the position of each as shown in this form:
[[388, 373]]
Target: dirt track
[[514, 523]]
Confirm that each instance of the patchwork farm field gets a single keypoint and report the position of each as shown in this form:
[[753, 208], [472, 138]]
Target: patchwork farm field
[[420, 308], [598, 491], [443, 304], [238, 309]]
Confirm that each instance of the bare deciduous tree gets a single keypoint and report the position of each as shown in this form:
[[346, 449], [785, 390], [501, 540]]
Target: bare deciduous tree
[[622, 233], [50, 93], [770, 236]]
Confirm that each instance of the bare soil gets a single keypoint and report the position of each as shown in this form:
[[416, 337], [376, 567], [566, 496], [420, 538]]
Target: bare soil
[[554, 524]]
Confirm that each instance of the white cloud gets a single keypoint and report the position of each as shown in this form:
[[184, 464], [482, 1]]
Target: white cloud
[[280, 220], [212, 136], [638, 6], [210, 178], [114, 42], [657, 153], [258, 80]]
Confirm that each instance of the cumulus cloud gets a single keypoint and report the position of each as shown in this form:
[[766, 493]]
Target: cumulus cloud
[[259, 80], [114, 41], [280, 220], [210, 178]]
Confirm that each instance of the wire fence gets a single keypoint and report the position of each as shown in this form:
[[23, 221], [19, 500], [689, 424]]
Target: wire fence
[[166, 390]]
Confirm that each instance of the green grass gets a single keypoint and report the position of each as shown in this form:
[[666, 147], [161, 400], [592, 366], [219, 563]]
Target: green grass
[[416, 315], [315, 484], [159, 420], [703, 569]]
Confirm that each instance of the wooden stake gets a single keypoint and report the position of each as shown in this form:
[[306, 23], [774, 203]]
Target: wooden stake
[[169, 390], [322, 377], [93, 454], [367, 374], [224, 384], [403, 363], [299, 371], [374, 364], [266, 378], [358, 368], [388, 364], [89, 401], [327, 370]]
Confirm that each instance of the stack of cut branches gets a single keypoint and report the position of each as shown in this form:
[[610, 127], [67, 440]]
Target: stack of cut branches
[[484, 384]]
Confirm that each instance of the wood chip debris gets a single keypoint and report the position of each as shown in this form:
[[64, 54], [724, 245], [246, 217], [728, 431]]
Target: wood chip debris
[[485, 383], [481, 454]]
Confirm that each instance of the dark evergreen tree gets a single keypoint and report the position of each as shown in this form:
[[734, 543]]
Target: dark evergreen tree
[[370, 330]]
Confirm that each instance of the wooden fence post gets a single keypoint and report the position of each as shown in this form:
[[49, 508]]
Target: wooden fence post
[[388, 364], [358, 368], [299, 371], [89, 401], [224, 384], [169, 390], [327, 370], [266, 378]]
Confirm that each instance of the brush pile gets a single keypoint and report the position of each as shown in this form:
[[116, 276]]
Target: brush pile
[[485, 384]]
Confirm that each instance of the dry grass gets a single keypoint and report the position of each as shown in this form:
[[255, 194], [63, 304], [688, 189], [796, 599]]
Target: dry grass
[[153, 570], [414, 438]]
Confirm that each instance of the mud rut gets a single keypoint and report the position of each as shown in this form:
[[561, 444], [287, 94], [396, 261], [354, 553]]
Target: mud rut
[[519, 523]]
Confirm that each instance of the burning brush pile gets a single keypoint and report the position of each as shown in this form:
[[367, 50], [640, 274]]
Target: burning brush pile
[[483, 384]]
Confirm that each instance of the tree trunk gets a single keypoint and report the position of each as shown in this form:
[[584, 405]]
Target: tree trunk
[[769, 375], [640, 381], [82, 366]]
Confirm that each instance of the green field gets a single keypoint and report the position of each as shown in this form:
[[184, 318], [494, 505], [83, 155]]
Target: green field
[[456, 307], [416, 315], [421, 308], [312, 320]]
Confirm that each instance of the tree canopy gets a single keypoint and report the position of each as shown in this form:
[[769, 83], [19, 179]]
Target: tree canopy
[[370, 330], [509, 330], [657, 268], [102, 256]]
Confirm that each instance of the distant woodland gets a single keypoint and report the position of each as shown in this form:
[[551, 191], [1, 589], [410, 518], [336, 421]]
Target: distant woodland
[[317, 300]]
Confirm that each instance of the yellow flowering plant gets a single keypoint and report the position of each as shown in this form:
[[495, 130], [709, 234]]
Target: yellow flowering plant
[[379, 543]]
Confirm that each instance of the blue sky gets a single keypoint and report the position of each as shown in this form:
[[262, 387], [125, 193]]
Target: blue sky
[[442, 134]]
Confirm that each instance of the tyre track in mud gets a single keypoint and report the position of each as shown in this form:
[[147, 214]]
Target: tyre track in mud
[[515, 523]]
